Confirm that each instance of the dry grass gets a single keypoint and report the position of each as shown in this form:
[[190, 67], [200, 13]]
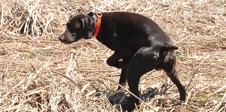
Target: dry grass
[[38, 73]]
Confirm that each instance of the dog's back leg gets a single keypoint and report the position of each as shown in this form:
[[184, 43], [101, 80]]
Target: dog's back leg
[[143, 61], [169, 68]]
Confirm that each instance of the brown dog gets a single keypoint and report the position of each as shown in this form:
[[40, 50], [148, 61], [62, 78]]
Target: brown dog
[[140, 45]]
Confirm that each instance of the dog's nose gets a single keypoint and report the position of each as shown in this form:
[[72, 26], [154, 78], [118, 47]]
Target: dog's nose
[[61, 37]]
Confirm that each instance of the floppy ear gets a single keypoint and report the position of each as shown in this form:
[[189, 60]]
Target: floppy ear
[[88, 26]]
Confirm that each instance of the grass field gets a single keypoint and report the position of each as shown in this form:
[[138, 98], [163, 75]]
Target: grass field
[[38, 73]]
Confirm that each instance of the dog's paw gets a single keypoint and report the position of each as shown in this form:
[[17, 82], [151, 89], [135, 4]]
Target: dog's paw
[[129, 105]]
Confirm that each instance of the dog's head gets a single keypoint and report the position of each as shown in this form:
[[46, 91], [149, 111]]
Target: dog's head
[[78, 26]]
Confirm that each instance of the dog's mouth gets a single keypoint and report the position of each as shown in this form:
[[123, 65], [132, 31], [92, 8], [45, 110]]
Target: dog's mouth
[[66, 42], [63, 40]]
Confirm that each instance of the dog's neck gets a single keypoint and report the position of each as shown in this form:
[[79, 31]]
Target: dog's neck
[[97, 17]]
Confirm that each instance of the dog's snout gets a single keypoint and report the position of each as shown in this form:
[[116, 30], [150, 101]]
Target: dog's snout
[[66, 38], [61, 37]]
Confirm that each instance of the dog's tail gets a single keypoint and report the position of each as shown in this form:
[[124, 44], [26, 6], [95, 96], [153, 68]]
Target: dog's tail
[[168, 47], [167, 52]]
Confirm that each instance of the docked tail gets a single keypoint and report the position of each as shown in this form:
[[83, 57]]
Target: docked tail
[[167, 53], [168, 47]]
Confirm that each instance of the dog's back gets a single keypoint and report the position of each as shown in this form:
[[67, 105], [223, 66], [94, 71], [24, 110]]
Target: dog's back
[[131, 29]]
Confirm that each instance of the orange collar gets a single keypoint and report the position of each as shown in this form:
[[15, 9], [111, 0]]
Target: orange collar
[[98, 23]]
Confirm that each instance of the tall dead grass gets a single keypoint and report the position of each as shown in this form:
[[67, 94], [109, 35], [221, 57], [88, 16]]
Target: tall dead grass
[[38, 73]]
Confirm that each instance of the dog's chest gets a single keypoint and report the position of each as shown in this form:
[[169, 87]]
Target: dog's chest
[[112, 43]]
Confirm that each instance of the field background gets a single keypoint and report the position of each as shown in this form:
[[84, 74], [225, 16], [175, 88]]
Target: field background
[[38, 73]]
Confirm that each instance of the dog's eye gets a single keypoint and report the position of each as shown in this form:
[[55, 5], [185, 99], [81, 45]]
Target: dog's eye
[[73, 34]]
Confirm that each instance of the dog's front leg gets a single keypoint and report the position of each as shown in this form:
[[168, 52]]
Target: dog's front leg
[[122, 79], [116, 59]]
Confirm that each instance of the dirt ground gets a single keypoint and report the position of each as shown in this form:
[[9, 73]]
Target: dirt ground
[[38, 73]]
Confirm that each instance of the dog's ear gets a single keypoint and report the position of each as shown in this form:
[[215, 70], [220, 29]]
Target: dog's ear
[[88, 26]]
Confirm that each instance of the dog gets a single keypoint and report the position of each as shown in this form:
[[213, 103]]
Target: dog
[[139, 46]]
